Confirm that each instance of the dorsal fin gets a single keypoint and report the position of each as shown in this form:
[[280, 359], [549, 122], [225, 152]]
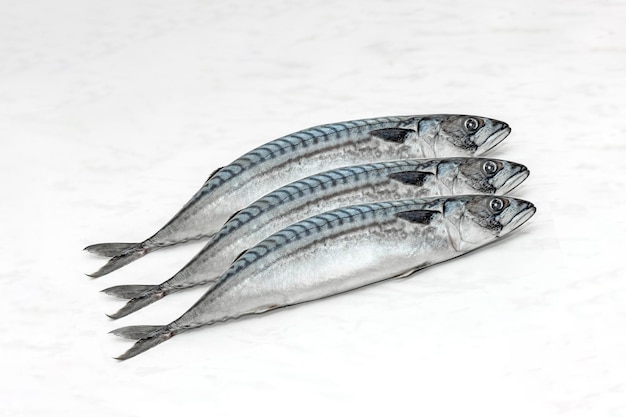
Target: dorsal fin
[[213, 173], [418, 216], [416, 178], [240, 255], [393, 134], [232, 215]]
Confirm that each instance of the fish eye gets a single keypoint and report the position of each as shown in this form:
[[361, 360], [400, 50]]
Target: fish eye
[[471, 124], [490, 167], [496, 204]]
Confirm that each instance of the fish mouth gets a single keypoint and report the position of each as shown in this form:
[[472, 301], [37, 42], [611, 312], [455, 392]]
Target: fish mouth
[[515, 180], [520, 218], [495, 138]]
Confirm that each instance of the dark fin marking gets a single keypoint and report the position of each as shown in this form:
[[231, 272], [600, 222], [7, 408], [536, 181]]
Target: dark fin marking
[[126, 292], [148, 343], [109, 250], [416, 178], [418, 216], [135, 332], [213, 174], [412, 271], [121, 260], [240, 255], [233, 215], [395, 134], [139, 302]]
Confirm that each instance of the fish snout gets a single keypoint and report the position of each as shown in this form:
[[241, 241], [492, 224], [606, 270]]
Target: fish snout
[[518, 176], [525, 210], [495, 138]]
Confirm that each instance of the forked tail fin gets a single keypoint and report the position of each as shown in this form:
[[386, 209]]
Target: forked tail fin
[[149, 342], [109, 250], [123, 259], [137, 303], [135, 332], [127, 292]]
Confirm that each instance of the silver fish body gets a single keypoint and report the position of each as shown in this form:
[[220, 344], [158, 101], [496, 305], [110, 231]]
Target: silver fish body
[[304, 153], [394, 180], [342, 250]]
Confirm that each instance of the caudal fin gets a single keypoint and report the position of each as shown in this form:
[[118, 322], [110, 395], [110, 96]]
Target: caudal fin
[[126, 292], [139, 302], [135, 332], [148, 342], [121, 260], [109, 250]]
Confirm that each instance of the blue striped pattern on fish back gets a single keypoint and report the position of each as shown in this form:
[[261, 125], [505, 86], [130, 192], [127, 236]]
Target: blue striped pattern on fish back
[[308, 186], [323, 222], [294, 142]]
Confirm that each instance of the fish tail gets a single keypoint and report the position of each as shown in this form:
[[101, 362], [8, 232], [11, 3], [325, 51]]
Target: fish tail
[[148, 342], [109, 250], [123, 259], [135, 332], [126, 292], [137, 303]]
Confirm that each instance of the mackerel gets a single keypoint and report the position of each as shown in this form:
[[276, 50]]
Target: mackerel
[[358, 184], [342, 250], [304, 153]]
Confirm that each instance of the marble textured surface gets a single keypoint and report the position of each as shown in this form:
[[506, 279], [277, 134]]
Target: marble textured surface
[[113, 113]]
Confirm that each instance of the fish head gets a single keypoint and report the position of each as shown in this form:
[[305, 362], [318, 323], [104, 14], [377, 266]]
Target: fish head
[[475, 220], [480, 175], [460, 135]]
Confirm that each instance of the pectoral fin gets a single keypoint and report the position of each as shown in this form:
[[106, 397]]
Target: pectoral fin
[[411, 177], [395, 134], [418, 216]]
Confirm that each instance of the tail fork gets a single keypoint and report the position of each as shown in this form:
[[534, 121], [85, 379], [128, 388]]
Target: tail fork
[[127, 292], [149, 342], [136, 332], [109, 250], [140, 302], [123, 259]]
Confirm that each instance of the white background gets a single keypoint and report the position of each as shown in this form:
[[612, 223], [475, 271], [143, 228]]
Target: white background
[[113, 113]]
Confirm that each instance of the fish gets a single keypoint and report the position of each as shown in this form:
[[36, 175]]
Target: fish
[[304, 153], [366, 183], [342, 250]]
